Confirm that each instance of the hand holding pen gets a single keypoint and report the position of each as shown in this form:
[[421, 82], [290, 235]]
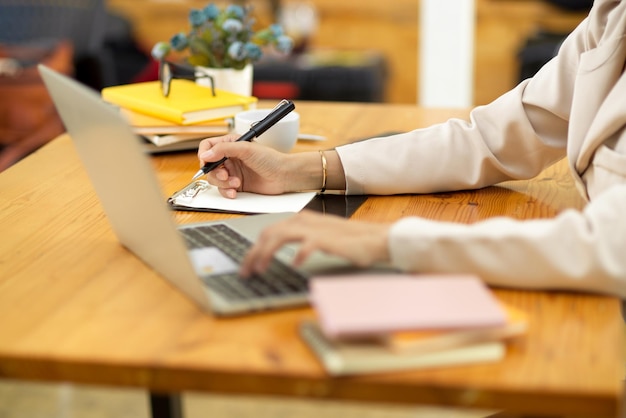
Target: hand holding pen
[[280, 111]]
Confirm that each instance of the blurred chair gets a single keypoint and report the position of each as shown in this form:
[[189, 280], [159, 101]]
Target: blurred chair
[[67, 35], [82, 22]]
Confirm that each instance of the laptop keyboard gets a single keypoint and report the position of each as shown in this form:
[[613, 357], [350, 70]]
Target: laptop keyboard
[[279, 280]]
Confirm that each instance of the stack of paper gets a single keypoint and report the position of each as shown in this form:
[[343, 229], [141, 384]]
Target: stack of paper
[[160, 135], [180, 121], [385, 322]]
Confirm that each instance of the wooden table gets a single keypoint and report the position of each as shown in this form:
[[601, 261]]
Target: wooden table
[[76, 306]]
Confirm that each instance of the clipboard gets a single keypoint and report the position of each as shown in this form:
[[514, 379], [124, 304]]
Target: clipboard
[[201, 196]]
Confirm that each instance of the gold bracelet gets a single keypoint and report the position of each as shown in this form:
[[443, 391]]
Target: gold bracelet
[[324, 171]]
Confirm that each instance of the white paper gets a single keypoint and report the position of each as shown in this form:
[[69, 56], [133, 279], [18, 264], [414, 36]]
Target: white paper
[[210, 198]]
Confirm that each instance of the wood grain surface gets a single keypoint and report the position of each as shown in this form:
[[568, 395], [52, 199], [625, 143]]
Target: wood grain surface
[[76, 306]]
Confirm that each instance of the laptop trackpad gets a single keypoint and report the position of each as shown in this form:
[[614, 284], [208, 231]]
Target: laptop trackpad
[[211, 260]]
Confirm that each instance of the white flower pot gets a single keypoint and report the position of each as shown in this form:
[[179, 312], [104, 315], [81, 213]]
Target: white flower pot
[[228, 79]]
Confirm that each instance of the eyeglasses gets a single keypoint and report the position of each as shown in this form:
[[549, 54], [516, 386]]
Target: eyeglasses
[[168, 71]]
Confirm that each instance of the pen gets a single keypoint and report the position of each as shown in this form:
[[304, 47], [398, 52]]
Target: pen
[[280, 111]]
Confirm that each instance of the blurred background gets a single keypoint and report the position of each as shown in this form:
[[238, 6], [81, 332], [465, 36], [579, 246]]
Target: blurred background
[[379, 40]]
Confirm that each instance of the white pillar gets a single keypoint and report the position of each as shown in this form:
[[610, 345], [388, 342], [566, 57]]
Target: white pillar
[[446, 51]]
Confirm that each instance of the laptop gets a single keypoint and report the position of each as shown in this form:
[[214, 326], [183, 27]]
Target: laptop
[[201, 260]]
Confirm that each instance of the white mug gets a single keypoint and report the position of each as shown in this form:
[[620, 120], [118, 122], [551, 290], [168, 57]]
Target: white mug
[[282, 136]]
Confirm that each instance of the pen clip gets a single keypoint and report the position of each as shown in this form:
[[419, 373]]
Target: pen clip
[[283, 102], [277, 113]]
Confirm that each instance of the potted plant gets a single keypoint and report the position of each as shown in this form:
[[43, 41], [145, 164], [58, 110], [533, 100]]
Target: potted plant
[[224, 42]]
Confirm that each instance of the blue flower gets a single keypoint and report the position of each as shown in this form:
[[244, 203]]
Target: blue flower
[[276, 30], [232, 26], [284, 44], [237, 51], [196, 18], [235, 11], [224, 37], [160, 50], [179, 41], [253, 51], [211, 12]]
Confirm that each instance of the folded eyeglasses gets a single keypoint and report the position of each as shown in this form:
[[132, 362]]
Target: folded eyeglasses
[[169, 71]]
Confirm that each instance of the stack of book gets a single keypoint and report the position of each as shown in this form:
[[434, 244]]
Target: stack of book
[[389, 322], [180, 121]]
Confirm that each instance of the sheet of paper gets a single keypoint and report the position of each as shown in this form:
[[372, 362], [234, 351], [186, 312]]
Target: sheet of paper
[[209, 198]]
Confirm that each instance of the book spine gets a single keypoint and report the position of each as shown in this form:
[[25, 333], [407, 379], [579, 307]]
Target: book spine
[[322, 349]]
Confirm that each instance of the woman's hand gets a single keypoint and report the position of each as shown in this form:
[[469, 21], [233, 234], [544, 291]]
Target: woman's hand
[[361, 243], [250, 167]]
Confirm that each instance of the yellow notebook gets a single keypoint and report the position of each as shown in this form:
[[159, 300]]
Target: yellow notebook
[[434, 340], [188, 103]]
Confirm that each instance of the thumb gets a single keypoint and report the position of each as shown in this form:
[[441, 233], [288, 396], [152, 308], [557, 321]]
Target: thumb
[[240, 150]]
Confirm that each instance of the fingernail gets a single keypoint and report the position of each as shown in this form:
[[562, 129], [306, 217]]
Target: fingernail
[[207, 154]]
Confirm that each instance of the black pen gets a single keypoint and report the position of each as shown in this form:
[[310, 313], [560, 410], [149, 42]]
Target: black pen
[[280, 111]]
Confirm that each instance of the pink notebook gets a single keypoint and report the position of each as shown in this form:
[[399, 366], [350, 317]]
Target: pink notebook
[[374, 304]]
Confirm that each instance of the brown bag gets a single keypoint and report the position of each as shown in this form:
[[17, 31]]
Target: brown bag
[[28, 118]]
